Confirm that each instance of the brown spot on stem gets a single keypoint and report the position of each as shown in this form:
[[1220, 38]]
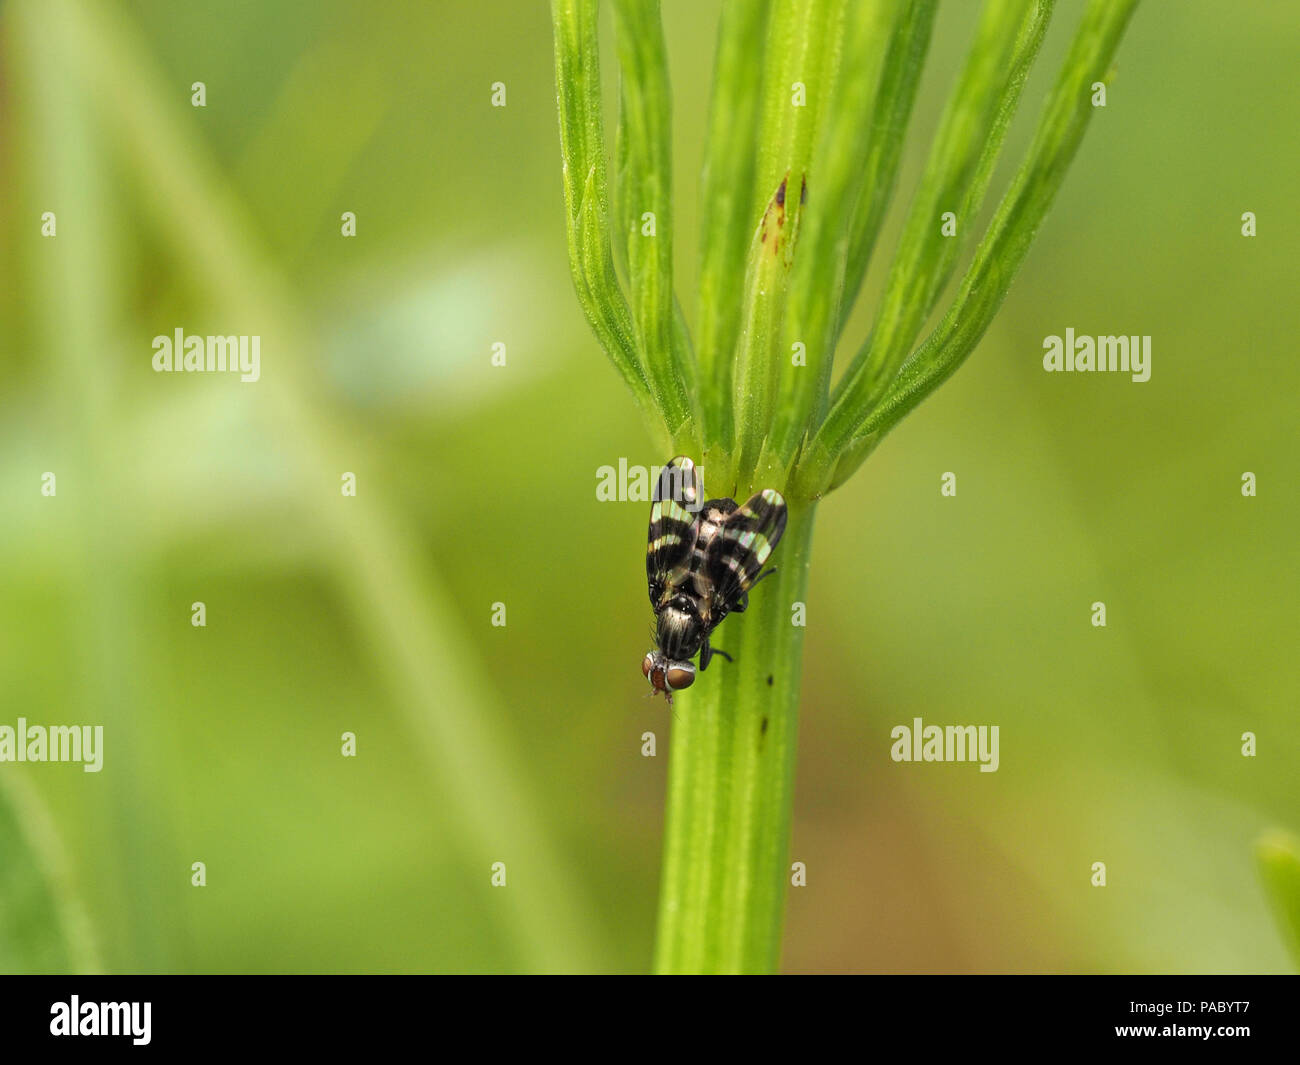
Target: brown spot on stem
[[773, 220]]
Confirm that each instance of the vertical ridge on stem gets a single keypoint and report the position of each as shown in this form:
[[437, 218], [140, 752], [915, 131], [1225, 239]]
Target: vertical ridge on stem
[[731, 777]]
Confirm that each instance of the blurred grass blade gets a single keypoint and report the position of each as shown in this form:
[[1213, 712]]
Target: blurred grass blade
[[904, 62], [817, 279], [401, 608], [804, 40], [967, 144], [727, 190], [67, 157], [644, 181], [997, 259], [586, 195], [1278, 854], [43, 929]]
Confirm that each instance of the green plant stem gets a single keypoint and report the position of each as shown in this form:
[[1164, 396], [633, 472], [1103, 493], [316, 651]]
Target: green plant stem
[[731, 783], [768, 420], [804, 48], [727, 187], [817, 281]]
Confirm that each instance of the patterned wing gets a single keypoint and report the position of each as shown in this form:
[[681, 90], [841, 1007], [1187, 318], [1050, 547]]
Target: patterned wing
[[677, 498], [741, 548]]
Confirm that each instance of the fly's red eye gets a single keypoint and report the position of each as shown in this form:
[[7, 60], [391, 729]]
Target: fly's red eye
[[680, 676], [647, 664]]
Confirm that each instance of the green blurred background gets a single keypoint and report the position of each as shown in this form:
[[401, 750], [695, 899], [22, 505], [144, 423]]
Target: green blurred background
[[476, 485]]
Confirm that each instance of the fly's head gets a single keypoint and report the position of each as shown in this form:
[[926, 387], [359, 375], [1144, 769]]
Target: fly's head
[[666, 675], [679, 633]]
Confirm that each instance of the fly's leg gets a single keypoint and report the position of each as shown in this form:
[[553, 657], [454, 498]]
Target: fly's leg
[[707, 652]]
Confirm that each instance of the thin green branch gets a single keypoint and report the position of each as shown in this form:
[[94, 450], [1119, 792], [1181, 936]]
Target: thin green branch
[[893, 109], [804, 35], [645, 194], [586, 194], [956, 176], [817, 279], [727, 188], [1000, 254]]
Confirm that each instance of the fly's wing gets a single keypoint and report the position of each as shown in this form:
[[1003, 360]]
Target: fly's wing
[[677, 497], [742, 546]]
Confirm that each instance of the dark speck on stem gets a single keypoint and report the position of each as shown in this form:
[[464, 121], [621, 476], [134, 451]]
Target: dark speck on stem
[[780, 194], [769, 680], [763, 729]]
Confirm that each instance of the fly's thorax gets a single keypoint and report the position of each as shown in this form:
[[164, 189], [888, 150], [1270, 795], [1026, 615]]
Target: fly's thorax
[[679, 628], [712, 515]]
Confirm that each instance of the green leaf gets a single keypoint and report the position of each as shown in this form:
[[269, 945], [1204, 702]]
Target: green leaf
[[727, 189], [852, 436], [645, 188], [599, 294], [956, 176], [892, 110], [586, 195], [1278, 854]]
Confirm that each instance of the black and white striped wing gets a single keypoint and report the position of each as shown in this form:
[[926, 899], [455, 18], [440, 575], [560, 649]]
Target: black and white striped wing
[[677, 497], [742, 547]]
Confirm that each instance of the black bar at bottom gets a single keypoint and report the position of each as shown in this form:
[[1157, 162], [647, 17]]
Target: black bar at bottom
[[377, 1013]]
